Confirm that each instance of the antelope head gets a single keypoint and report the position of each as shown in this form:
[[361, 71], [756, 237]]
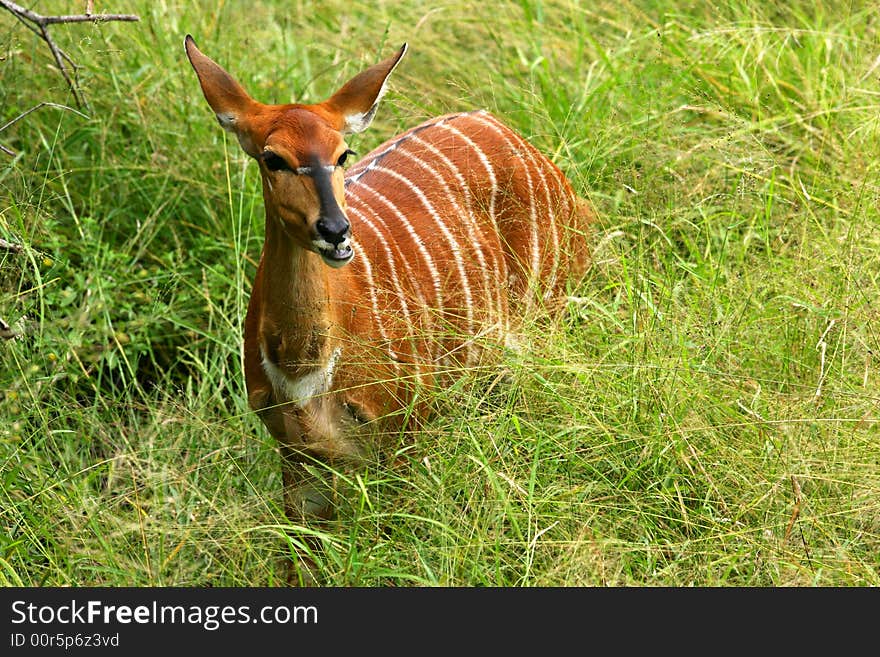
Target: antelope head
[[301, 149]]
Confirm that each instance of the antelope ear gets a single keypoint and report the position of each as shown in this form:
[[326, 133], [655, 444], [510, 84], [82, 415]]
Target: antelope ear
[[357, 100], [227, 98]]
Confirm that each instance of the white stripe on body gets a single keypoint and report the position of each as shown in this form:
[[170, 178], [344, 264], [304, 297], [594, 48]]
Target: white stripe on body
[[493, 194], [535, 156], [474, 232], [453, 245], [489, 170], [362, 209], [371, 285], [429, 261], [381, 238], [534, 246], [475, 239]]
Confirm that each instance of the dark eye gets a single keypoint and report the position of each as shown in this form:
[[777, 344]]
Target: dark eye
[[342, 158], [274, 162]]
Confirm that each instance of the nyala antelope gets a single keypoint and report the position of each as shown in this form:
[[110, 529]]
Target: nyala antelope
[[377, 280]]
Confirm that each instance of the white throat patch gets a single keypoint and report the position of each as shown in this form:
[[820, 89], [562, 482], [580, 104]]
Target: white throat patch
[[301, 390]]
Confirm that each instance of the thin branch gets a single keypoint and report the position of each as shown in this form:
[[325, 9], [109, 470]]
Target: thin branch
[[41, 26], [93, 18], [60, 56], [18, 118], [39, 19], [10, 246]]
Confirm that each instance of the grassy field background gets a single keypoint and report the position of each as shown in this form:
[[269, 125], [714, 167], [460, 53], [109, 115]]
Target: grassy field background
[[707, 414]]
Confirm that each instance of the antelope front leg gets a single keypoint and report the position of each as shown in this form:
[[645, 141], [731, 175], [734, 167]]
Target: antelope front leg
[[307, 498], [307, 501], [305, 495], [304, 505]]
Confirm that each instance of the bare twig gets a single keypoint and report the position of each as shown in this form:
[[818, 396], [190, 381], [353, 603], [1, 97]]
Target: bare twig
[[40, 25], [9, 246]]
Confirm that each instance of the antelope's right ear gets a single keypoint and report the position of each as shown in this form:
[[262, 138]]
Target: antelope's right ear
[[227, 98], [356, 102]]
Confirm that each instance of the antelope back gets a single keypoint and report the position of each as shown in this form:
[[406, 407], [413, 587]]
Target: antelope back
[[463, 228]]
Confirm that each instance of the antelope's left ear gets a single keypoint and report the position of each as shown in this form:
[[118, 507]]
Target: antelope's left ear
[[356, 101]]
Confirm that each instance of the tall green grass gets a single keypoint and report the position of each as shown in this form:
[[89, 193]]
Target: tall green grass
[[705, 414]]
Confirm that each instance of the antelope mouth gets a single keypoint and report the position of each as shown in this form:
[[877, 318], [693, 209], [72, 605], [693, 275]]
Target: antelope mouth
[[335, 256]]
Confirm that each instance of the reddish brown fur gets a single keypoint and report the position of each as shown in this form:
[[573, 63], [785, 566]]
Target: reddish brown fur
[[399, 313]]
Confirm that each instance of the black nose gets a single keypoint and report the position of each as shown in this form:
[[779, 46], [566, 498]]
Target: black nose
[[333, 229]]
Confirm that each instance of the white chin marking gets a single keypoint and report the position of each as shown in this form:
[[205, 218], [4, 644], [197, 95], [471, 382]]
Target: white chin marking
[[336, 258]]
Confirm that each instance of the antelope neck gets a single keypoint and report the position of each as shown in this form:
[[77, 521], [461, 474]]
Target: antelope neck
[[295, 303]]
